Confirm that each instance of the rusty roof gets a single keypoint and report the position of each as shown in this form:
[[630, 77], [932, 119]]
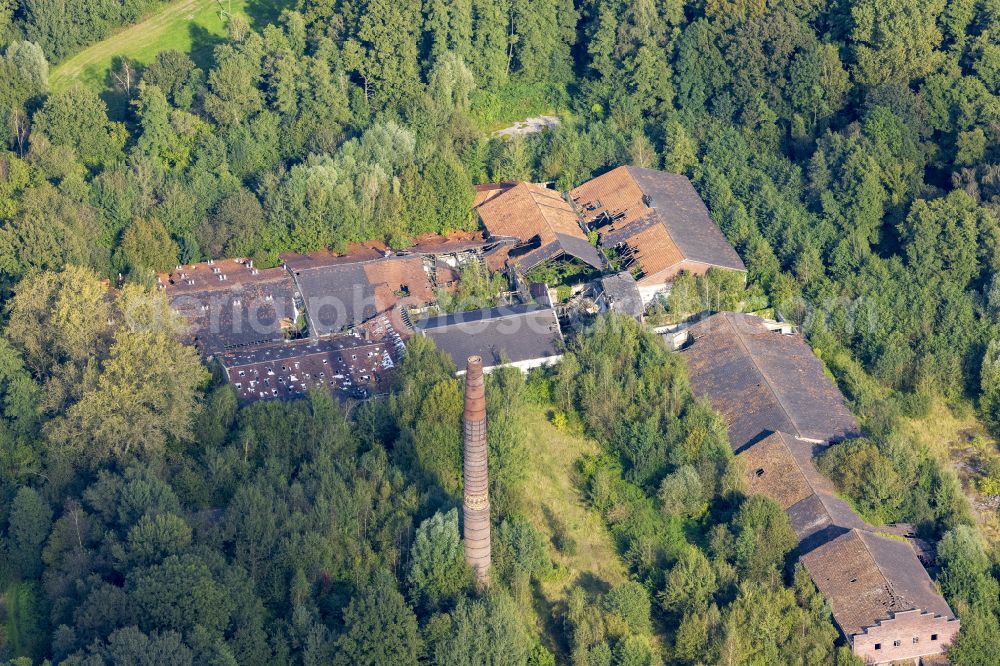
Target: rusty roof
[[217, 275], [764, 381], [865, 577], [540, 219], [622, 203]]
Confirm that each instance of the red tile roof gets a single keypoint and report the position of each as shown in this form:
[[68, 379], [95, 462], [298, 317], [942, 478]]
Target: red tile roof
[[540, 220], [624, 203]]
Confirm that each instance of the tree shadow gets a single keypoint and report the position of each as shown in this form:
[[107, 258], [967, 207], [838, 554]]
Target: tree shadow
[[264, 12], [561, 539], [592, 585], [113, 94], [203, 45], [552, 616]]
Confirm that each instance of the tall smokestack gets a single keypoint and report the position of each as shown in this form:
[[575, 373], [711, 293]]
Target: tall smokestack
[[476, 501]]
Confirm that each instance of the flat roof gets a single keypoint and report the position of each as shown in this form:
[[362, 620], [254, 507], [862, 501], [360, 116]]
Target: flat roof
[[623, 294], [228, 304], [348, 366], [514, 333]]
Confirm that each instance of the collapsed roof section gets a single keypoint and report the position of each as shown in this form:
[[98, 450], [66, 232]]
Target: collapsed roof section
[[764, 381], [658, 217], [522, 335], [541, 223], [348, 366], [229, 304], [622, 295], [342, 292]]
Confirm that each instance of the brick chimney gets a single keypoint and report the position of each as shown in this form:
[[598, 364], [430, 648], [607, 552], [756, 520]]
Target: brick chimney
[[476, 501]]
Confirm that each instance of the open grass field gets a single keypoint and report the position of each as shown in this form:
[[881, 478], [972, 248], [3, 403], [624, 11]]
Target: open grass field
[[191, 26], [583, 551]]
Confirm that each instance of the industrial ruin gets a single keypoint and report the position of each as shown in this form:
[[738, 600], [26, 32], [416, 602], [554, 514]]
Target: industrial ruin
[[782, 411], [280, 332]]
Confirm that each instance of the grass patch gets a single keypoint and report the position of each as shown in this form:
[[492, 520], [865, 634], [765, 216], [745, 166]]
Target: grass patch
[[516, 101], [194, 27], [956, 437], [25, 631], [582, 549]]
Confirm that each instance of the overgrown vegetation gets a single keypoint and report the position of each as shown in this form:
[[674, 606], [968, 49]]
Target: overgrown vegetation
[[849, 151]]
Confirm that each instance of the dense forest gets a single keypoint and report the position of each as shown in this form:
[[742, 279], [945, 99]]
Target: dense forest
[[850, 150]]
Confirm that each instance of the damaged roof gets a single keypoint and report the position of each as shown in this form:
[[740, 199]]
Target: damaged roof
[[507, 334], [229, 304], [537, 217], [348, 366], [764, 381], [622, 294], [865, 577], [782, 468], [659, 215], [340, 294]]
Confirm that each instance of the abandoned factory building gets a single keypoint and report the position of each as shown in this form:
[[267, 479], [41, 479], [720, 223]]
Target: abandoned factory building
[[525, 336], [344, 291], [763, 381], [348, 366], [540, 224], [657, 225], [228, 304], [294, 319], [782, 411]]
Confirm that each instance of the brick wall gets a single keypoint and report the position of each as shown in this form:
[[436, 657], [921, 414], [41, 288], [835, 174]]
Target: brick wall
[[907, 635]]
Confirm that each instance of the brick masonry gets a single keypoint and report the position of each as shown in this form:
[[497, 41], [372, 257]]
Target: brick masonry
[[906, 635]]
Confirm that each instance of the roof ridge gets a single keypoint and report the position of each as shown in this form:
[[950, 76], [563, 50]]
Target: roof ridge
[[542, 210], [801, 467], [655, 211], [756, 365], [892, 591]]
